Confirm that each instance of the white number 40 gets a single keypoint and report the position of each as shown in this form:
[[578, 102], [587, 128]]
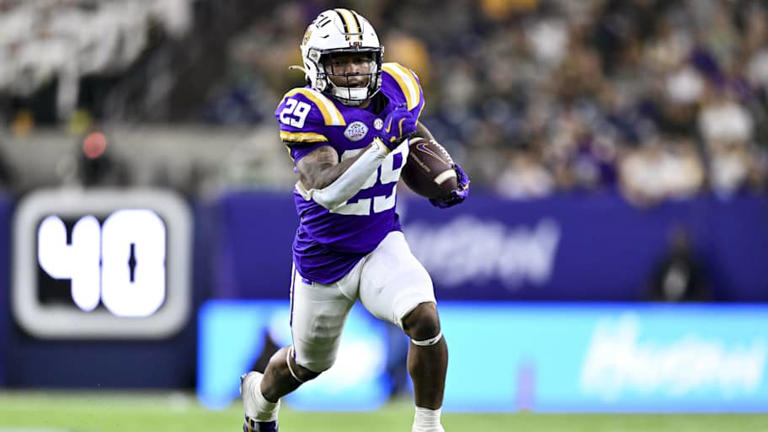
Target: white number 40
[[121, 264]]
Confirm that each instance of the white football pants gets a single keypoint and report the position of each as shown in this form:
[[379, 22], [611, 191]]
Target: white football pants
[[390, 282]]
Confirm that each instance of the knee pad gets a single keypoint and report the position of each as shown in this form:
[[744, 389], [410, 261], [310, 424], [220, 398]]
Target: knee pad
[[430, 341]]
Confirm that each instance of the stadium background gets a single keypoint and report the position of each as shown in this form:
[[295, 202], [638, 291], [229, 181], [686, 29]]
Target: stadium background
[[612, 255]]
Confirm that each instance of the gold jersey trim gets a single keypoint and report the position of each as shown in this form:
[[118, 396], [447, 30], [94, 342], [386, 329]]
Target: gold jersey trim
[[302, 137]]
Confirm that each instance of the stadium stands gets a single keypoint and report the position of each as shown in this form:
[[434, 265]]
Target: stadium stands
[[556, 95]]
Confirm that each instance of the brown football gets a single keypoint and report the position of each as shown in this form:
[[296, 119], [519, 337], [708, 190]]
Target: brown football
[[429, 170]]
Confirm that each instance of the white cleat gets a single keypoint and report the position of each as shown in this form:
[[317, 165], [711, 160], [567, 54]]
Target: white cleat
[[250, 383]]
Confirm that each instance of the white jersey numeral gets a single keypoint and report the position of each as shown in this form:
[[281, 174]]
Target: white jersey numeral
[[121, 264], [385, 174], [294, 113]]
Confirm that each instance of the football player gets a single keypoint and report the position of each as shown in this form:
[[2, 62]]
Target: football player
[[347, 132]]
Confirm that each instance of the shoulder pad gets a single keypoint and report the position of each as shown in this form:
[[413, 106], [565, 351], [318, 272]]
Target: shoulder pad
[[407, 81], [322, 111]]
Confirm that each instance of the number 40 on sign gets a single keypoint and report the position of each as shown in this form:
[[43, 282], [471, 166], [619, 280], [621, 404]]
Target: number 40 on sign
[[120, 263]]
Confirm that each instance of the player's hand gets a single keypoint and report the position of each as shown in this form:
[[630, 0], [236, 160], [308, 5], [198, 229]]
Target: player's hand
[[399, 125], [457, 195]]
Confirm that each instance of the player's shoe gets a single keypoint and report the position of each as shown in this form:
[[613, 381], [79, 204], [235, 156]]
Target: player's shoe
[[252, 425], [249, 383]]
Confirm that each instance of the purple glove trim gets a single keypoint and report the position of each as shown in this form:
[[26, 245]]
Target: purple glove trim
[[457, 195], [399, 125]]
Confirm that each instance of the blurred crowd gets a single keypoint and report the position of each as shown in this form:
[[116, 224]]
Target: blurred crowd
[[52, 48], [659, 99]]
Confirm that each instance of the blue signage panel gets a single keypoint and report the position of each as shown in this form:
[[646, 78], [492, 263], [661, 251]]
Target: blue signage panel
[[252, 233], [233, 335], [615, 357], [492, 249], [5, 281], [515, 356]]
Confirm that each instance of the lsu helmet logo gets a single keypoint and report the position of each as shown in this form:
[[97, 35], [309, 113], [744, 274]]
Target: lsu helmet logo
[[307, 35]]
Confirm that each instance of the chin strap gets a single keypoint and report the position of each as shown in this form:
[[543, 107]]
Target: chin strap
[[344, 94]]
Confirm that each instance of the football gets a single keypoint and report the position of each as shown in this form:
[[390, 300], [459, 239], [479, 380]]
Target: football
[[429, 169]]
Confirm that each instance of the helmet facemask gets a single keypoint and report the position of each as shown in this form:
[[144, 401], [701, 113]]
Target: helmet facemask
[[342, 32], [351, 88]]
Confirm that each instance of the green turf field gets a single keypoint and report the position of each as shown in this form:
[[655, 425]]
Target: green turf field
[[59, 412]]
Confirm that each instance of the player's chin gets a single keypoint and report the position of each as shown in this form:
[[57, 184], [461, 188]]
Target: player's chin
[[363, 83], [356, 85]]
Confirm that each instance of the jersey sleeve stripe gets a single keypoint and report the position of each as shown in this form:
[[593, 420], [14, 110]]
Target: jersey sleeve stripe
[[331, 115], [302, 137], [406, 81]]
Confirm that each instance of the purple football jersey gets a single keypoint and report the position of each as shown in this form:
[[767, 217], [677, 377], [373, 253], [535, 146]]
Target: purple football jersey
[[329, 243]]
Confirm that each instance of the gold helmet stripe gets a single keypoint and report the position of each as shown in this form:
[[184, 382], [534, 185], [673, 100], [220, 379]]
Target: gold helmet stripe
[[343, 21], [350, 23], [357, 17]]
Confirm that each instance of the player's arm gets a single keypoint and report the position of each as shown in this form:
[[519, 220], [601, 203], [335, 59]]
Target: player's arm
[[330, 182], [322, 167], [414, 101]]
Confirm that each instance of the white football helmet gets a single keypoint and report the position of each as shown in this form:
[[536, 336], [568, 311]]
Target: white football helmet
[[347, 32]]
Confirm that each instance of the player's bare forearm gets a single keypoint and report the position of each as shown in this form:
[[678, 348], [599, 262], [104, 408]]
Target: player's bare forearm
[[422, 131], [322, 167]]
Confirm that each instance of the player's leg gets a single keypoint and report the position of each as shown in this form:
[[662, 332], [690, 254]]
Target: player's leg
[[427, 355], [318, 313], [394, 286], [283, 375]]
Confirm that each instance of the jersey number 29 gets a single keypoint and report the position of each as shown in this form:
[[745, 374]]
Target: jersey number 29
[[386, 174], [294, 113]]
